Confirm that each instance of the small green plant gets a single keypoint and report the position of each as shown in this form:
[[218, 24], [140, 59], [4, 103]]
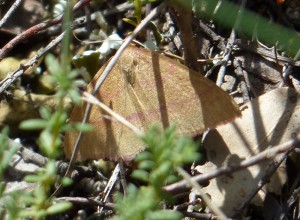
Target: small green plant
[[52, 124], [137, 18], [6, 153], [156, 167], [37, 204]]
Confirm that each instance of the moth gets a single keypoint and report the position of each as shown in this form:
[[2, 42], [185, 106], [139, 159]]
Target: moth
[[147, 88]]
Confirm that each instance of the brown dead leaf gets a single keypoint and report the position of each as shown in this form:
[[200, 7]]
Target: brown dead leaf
[[267, 121]]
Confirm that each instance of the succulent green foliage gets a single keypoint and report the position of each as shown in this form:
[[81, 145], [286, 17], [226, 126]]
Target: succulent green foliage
[[156, 168], [6, 153], [53, 123], [165, 151], [13, 204], [38, 204]]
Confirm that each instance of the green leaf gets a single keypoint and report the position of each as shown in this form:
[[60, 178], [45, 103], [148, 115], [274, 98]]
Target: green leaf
[[157, 35], [52, 64], [164, 215], [172, 179], [34, 124], [146, 165], [75, 97], [141, 175], [66, 181], [9, 154], [45, 113], [31, 178], [45, 142], [130, 21], [145, 155], [83, 127], [27, 213], [59, 208], [158, 175]]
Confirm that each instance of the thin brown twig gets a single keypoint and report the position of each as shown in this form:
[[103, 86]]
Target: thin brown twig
[[86, 201], [183, 16], [30, 156], [266, 178], [9, 13], [215, 209], [225, 60], [229, 46], [199, 216], [8, 80], [254, 47], [36, 29], [217, 39], [93, 100], [264, 155]]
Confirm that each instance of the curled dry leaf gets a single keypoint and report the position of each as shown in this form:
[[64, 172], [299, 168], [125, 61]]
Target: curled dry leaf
[[145, 88], [267, 121]]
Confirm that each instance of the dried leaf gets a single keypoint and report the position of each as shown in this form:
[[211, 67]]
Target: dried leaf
[[267, 121], [146, 88]]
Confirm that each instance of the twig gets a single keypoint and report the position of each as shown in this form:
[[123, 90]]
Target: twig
[[212, 35], [294, 192], [294, 197], [266, 154], [205, 197], [266, 178], [192, 199], [225, 60], [93, 100], [185, 205], [9, 13], [199, 216], [10, 78], [119, 169], [183, 15], [253, 47], [117, 9], [288, 71], [110, 184], [27, 155], [229, 45], [85, 201], [244, 86], [35, 29], [30, 156], [33, 157]]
